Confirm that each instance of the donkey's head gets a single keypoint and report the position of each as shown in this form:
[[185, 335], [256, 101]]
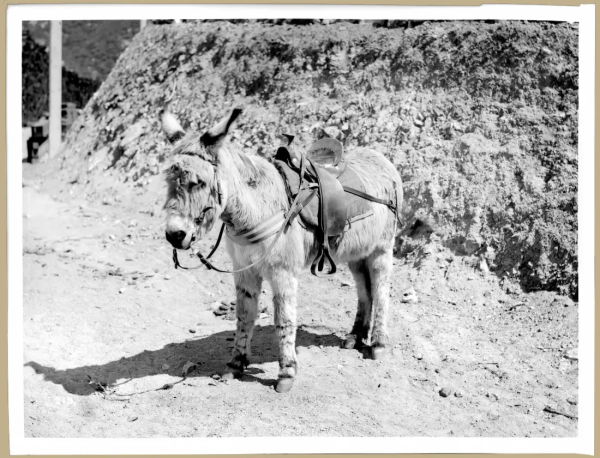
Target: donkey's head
[[195, 198]]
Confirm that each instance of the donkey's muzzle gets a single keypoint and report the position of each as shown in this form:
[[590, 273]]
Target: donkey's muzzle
[[175, 238]]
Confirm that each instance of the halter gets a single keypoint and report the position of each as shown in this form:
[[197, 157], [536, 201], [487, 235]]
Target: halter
[[255, 235]]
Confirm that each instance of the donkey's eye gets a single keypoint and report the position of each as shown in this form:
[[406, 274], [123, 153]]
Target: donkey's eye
[[193, 184]]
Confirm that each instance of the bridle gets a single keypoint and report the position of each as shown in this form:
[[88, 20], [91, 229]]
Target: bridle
[[293, 211]]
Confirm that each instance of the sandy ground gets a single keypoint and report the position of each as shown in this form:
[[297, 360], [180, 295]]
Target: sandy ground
[[109, 325]]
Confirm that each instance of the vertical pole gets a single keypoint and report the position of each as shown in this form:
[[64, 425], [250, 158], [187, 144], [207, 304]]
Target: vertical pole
[[55, 128], [143, 24]]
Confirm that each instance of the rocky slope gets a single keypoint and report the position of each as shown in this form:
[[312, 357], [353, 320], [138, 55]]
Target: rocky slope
[[480, 119]]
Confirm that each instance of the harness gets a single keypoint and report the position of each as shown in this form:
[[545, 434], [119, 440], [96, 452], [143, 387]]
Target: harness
[[321, 173]]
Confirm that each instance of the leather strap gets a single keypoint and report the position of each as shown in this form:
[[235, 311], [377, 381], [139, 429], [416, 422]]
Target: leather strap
[[389, 203]]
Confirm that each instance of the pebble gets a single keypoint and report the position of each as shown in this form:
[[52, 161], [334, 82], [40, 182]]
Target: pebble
[[165, 367], [112, 237], [167, 277], [572, 401], [133, 223], [220, 312], [572, 354], [445, 392], [122, 290], [458, 394], [492, 396], [419, 356], [187, 368], [193, 331], [216, 377], [132, 418], [344, 283], [410, 295]]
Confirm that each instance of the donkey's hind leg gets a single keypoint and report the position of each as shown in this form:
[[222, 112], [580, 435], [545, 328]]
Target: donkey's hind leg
[[285, 287], [380, 267], [248, 285], [362, 323]]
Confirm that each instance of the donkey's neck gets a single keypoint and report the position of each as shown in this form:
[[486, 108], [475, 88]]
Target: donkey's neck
[[254, 189]]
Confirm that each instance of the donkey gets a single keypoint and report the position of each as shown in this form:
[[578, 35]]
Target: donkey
[[209, 179]]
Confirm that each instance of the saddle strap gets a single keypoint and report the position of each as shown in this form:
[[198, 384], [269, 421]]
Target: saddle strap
[[388, 203]]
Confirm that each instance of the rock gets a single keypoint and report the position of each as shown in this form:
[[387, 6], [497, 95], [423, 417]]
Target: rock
[[193, 331], [572, 401], [122, 290], [483, 265], [167, 277], [132, 134], [419, 356], [112, 237], [187, 368], [458, 394], [220, 312], [216, 377], [224, 306], [410, 295], [491, 396], [132, 418], [572, 354], [133, 223], [445, 392], [344, 283], [165, 367]]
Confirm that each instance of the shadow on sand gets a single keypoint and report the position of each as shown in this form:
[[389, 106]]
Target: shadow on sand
[[210, 353]]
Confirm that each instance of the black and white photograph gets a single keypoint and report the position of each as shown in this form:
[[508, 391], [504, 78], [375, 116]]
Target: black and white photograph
[[355, 225]]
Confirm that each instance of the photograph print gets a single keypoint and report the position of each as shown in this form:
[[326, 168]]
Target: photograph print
[[272, 228]]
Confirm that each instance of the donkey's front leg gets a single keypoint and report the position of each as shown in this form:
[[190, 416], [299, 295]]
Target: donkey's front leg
[[248, 285], [285, 287]]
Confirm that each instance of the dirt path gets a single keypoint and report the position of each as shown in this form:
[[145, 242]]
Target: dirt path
[[102, 302]]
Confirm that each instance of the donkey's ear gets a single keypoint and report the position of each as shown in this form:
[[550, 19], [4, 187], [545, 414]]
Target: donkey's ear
[[171, 127], [218, 133]]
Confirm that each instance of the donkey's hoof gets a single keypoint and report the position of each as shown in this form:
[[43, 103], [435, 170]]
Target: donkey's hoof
[[284, 385], [231, 374], [377, 352], [349, 343]]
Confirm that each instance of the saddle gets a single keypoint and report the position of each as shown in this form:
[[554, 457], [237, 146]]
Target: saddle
[[329, 193]]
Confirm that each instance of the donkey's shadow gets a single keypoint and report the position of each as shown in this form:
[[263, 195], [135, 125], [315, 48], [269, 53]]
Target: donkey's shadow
[[210, 354]]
